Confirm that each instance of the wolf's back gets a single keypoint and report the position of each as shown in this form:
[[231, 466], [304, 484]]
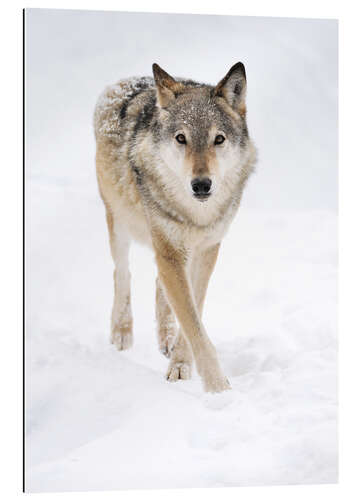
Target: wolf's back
[[114, 102]]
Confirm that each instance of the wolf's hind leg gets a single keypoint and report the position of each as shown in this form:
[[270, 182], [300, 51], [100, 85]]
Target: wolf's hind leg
[[121, 321], [166, 323]]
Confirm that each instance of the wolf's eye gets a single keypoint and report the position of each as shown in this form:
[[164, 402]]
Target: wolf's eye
[[219, 139], [181, 138]]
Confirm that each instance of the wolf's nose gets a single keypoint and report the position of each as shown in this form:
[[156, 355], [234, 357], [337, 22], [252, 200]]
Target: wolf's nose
[[201, 187]]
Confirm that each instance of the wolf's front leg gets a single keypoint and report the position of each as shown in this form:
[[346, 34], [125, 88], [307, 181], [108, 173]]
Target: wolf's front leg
[[171, 343], [180, 366], [166, 322], [121, 321], [173, 275], [202, 266]]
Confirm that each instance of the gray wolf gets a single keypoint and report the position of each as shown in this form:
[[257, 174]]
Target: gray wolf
[[173, 157]]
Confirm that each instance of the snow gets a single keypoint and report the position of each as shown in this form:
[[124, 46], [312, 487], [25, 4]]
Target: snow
[[99, 419]]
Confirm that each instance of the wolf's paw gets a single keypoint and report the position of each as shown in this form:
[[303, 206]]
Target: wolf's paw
[[122, 338], [166, 344], [178, 371], [215, 384]]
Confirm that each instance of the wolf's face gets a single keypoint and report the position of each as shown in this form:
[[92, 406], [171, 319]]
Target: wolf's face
[[203, 132]]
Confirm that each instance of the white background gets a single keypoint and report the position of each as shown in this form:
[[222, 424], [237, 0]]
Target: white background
[[346, 251]]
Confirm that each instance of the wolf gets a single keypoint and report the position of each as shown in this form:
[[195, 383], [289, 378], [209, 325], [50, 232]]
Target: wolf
[[172, 158]]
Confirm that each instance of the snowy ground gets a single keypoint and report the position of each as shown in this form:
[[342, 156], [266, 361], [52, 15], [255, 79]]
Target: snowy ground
[[100, 419]]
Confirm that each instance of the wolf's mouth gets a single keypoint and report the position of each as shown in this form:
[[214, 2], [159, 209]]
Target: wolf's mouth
[[202, 197]]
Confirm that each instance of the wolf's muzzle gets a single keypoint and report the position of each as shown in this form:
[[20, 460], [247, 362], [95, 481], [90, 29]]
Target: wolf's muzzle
[[201, 188]]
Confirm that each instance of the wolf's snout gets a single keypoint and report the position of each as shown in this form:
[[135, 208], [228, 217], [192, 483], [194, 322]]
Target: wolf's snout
[[201, 187]]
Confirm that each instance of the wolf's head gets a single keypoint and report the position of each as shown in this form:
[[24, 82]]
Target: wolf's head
[[203, 132]]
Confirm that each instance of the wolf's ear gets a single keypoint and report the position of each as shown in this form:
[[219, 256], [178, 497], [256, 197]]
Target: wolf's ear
[[233, 88], [167, 87]]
